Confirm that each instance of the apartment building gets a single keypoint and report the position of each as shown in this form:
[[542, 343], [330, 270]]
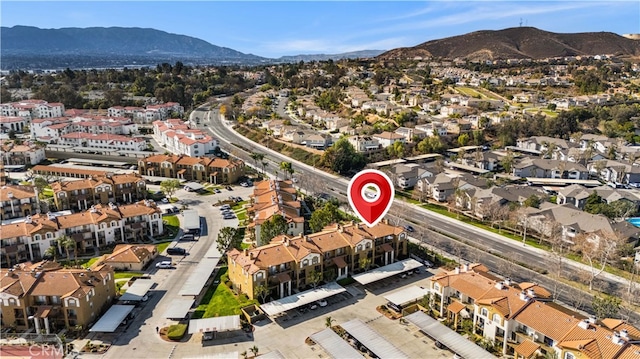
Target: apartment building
[[52, 129], [48, 298], [134, 257], [287, 263], [523, 319], [13, 123], [211, 169], [82, 194], [103, 141], [25, 153], [177, 137], [97, 227], [31, 109], [272, 198], [149, 114], [18, 201], [364, 144]]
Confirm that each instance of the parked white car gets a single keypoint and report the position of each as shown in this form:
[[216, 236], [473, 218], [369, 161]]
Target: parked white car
[[164, 265]]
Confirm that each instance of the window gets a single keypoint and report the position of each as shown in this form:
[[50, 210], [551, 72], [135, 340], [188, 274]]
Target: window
[[314, 260], [305, 262], [359, 248], [37, 237], [496, 318], [568, 355], [368, 245], [259, 275], [484, 312], [49, 235]]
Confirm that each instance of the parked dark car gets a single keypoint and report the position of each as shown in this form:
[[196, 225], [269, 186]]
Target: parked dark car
[[409, 228], [176, 251]]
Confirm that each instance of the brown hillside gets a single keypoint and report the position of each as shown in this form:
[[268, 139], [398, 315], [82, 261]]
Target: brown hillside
[[520, 42]]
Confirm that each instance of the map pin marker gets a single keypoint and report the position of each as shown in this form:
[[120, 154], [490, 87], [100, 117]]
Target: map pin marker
[[370, 195]]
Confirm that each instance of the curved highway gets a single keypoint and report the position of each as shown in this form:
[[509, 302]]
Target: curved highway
[[423, 220]]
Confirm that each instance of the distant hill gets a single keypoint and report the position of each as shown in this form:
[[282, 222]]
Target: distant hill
[[106, 45], [364, 54], [520, 42]]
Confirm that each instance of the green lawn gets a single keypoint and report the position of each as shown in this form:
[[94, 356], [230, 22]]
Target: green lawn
[[220, 300], [120, 275], [162, 246], [172, 221], [90, 262]]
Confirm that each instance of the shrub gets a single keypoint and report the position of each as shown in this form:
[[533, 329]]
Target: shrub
[[176, 331]]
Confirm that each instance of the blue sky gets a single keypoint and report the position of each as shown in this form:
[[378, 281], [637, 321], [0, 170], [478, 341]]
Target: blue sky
[[273, 29]]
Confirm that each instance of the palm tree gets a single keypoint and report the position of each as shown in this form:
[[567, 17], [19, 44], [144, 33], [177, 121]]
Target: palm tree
[[328, 321], [68, 243], [52, 251], [257, 156], [264, 164], [287, 167], [254, 350]]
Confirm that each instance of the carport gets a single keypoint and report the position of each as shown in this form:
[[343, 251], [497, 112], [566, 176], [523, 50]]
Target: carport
[[110, 321], [178, 308], [217, 324], [199, 277], [452, 340], [334, 345], [282, 305], [407, 295], [193, 186], [376, 343], [387, 271], [138, 290]]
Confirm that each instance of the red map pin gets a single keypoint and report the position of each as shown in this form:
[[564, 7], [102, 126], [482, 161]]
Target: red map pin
[[370, 195]]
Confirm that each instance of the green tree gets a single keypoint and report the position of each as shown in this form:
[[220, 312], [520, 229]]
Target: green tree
[[396, 149], [274, 226], [287, 168], [364, 263], [341, 157], [67, 243], [52, 252], [226, 238], [170, 186], [606, 306], [314, 277], [463, 139], [507, 161], [261, 291], [328, 322], [257, 157], [532, 201], [324, 216]]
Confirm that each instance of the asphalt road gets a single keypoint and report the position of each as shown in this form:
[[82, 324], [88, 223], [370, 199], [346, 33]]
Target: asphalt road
[[426, 221]]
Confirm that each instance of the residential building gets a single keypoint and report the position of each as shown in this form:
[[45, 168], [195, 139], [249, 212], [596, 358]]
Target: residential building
[[103, 141], [13, 123], [378, 106], [100, 226], [31, 109], [52, 129], [270, 198], [616, 173], [433, 129], [577, 195], [47, 298], [542, 168], [364, 144], [110, 188], [407, 175], [211, 169], [410, 134], [317, 141], [177, 137], [438, 187], [18, 201], [27, 153], [285, 265], [133, 257], [387, 139]]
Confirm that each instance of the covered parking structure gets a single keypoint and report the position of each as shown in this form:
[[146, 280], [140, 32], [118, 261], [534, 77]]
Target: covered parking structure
[[407, 296], [193, 186], [195, 283], [376, 343], [110, 321], [334, 345], [387, 271], [178, 308], [282, 305], [216, 324], [138, 290], [447, 337]]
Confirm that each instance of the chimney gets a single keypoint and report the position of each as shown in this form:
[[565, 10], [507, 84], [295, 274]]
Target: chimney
[[531, 293], [286, 242], [340, 228], [251, 256], [27, 220], [523, 296], [615, 338], [246, 252], [592, 320], [465, 267], [507, 281], [624, 334], [306, 238], [499, 285], [584, 324], [457, 270], [386, 220]]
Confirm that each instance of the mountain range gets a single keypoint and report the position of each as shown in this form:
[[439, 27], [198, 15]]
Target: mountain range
[[27, 47], [518, 43]]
